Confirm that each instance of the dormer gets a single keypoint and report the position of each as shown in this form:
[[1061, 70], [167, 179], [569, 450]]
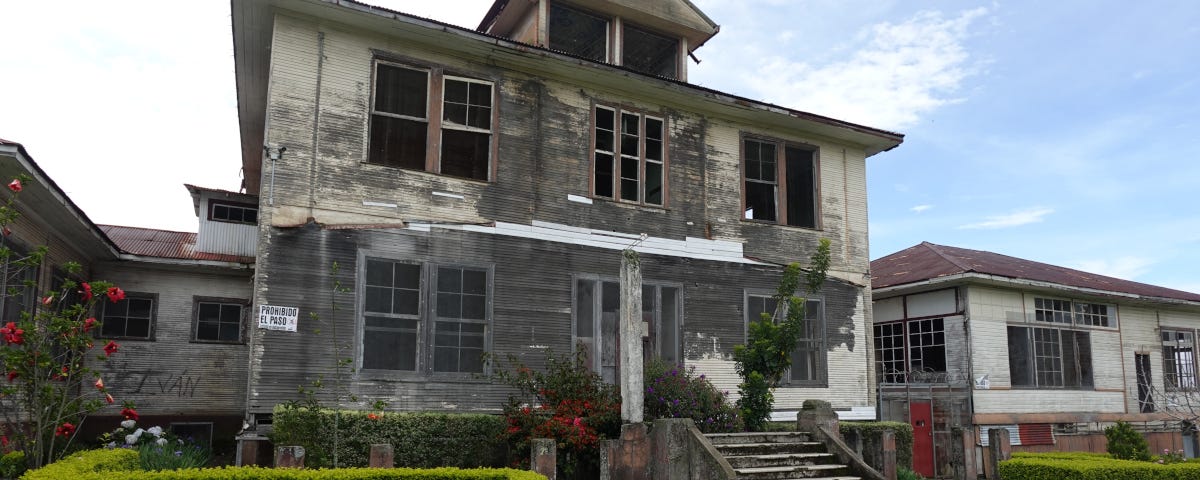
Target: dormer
[[228, 221], [650, 36]]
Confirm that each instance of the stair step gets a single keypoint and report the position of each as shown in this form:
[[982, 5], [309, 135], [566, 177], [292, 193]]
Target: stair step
[[780, 460], [772, 448], [792, 472], [757, 437]]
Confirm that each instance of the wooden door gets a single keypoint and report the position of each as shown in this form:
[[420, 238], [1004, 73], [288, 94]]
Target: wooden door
[[920, 415]]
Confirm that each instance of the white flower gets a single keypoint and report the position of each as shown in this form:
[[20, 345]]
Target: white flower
[[128, 424], [138, 433], [161, 441], [130, 439], [156, 431]]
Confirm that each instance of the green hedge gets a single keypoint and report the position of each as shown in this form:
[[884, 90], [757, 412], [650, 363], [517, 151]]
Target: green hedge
[[870, 432], [421, 440], [121, 464], [1087, 466]]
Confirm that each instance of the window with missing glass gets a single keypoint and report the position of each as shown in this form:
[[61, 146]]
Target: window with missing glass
[[649, 52], [1073, 312], [218, 319], [779, 182], [578, 32], [131, 318], [1049, 358], [629, 156], [232, 212], [1179, 359], [596, 331]]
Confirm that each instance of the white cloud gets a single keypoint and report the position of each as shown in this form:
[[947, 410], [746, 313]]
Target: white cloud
[[1127, 267], [1018, 218], [921, 208], [903, 71]]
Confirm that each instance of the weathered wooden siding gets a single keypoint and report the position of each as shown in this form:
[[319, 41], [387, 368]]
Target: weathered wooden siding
[[532, 309], [171, 374], [224, 237]]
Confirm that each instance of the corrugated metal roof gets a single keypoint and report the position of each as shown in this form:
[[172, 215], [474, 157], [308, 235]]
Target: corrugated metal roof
[[164, 244], [928, 261]]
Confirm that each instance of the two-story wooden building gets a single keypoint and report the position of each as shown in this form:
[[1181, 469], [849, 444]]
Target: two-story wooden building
[[474, 189]]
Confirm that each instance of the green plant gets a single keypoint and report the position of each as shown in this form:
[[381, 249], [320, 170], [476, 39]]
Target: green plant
[[567, 402], [906, 474], [766, 356], [49, 390], [12, 464], [870, 433], [1126, 443], [1168, 457], [172, 456], [674, 392], [1081, 466]]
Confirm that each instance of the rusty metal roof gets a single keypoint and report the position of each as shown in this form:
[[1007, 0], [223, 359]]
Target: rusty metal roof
[[151, 242], [929, 261]]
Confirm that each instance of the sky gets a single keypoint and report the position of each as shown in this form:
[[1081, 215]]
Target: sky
[[1062, 132]]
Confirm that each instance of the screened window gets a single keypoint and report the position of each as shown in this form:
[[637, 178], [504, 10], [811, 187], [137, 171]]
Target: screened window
[[1049, 358], [466, 128], [219, 320], [578, 32], [233, 212], [649, 52], [1179, 359], [461, 326], [808, 359], [597, 323], [399, 124], [779, 183], [391, 315], [131, 318], [628, 162]]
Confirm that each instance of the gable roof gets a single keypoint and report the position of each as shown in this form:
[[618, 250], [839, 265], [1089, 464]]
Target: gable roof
[[150, 242], [931, 262]]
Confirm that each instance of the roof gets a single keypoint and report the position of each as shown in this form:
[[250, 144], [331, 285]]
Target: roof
[[929, 261], [151, 242]]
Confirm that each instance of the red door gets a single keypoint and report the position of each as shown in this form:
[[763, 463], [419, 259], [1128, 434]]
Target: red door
[[920, 414]]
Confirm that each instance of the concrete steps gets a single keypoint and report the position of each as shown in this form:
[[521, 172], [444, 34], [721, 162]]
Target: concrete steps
[[778, 456]]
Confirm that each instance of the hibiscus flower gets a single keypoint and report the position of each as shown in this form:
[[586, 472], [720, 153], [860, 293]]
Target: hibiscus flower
[[15, 185], [87, 291], [65, 430], [115, 294], [111, 348]]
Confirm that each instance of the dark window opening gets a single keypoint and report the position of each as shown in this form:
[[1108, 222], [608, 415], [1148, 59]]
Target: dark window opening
[[398, 117], [628, 157], [761, 180], [132, 317], [578, 33], [801, 187], [233, 212], [808, 358], [765, 164], [391, 303], [889, 353], [597, 320], [649, 52], [1049, 358], [1179, 359], [219, 321]]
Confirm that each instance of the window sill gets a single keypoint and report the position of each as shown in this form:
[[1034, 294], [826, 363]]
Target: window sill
[[126, 339], [419, 377], [631, 205], [777, 224], [429, 173], [216, 342]]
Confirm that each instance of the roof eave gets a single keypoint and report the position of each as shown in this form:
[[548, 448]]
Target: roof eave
[[969, 277]]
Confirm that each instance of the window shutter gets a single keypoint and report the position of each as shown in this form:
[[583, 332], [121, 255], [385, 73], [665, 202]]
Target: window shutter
[[1036, 434]]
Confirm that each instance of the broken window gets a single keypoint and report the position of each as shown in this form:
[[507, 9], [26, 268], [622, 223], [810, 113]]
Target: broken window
[[233, 212], [219, 320], [1049, 358], [597, 324], [447, 333], [131, 318], [1179, 359], [764, 164], [889, 353], [808, 359], [908, 351], [402, 119], [578, 33], [628, 161], [927, 345], [1072, 312], [649, 52]]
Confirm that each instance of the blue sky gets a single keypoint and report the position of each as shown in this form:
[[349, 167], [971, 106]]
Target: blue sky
[[1063, 132]]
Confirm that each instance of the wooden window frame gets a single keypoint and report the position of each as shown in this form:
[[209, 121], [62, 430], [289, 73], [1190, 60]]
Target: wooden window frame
[[1074, 316], [1192, 382], [641, 156], [1031, 332], [151, 329], [435, 77], [597, 287], [822, 355], [240, 302], [212, 204], [781, 187]]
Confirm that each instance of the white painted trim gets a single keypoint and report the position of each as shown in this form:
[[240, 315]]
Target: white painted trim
[[905, 288], [577, 198], [447, 195], [379, 204]]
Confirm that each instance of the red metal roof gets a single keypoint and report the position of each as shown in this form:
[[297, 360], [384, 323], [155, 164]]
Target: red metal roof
[[151, 242], [928, 261]]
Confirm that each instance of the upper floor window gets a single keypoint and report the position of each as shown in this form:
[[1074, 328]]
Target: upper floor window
[[404, 119], [218, 320], [649, 52], [808, 359], [232, 212], [628, 161], [1049, 358], [578, 32], [131, 318], [1069, 312], [1179, 359], [780, 183]]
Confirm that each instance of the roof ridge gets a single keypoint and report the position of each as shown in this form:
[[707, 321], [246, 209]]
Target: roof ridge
[[937, 249]]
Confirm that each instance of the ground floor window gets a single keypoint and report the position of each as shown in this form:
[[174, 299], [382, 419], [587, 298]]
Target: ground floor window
[[597, 308], [808, 359]]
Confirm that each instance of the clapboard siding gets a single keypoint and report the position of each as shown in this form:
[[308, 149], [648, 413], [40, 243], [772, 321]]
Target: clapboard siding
[[531, 308]]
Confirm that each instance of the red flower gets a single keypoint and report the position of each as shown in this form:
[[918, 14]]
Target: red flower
[[115, 294], [11, 333], [108, 398], [110, 348], [129, 413], [89, 324], [12, 375], [15, 185], [373, 416], [47, 299], [100, 383], [7, 231], [3, 441], [65, 430], [87, 291]]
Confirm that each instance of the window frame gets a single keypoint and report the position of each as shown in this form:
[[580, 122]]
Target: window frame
[[608, 30], [618, 155], [1075, 315], [244, 304], [28, 301], [907, 349], [212, 207], [822, 354], [1032, 341], [435, 100], [1193, 373], [426, 318], [781, 188], [152, 329], [597, 310], [676, 70]]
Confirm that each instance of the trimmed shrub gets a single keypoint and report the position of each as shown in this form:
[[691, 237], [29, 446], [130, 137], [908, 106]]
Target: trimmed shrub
[[12, 464], [674, 392], [870, 433], [1126, 443], [121, 464], [1082, 466], [422, 440]]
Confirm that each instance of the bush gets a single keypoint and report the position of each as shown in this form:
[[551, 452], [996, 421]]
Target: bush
[[1078, 466], [906, 474], [121, 464], [1126, 443], [12, 464], [870, 432], [423, 440], [672, 392]]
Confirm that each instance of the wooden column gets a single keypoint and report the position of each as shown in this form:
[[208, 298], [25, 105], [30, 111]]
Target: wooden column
[[632, 331], [1001, 450]]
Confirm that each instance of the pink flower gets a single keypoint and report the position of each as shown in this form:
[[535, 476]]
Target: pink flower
[[15, 185], [108, 398], [87, 291], [89, 324], [115, 294], [100, 383], [47, 299]]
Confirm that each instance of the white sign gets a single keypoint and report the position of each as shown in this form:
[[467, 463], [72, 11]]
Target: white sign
[[278, 318]]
